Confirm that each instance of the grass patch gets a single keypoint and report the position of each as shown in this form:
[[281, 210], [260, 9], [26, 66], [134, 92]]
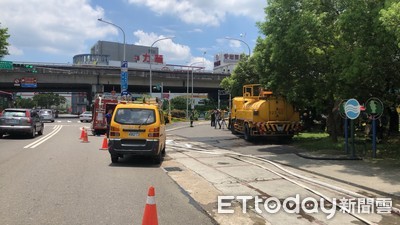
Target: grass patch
[[317, 142], [321, 143]]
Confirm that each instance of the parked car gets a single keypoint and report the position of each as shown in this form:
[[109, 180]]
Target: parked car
[[21, 121], [47, 115], [137, 129], [86, 116]]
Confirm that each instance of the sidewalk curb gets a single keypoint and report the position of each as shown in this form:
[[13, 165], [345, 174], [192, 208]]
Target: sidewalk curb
[[325, 158]]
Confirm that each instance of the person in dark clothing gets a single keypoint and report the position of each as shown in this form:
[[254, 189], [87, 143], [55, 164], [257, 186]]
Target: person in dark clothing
[[191, 118], [213, 118], [108, 121]]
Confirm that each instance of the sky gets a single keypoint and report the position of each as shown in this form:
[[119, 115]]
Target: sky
[[53, 31]]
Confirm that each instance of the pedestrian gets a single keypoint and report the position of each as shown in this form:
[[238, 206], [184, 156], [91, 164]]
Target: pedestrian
[[218, 119], [229, 120], [191, 118], [213, 118], [108, 121]]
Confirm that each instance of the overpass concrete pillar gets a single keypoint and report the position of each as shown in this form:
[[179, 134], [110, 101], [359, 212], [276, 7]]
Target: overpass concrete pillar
[[97, 88]]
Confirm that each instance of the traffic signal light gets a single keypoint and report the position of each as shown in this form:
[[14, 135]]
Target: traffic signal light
[[30, 68], [27, 67]]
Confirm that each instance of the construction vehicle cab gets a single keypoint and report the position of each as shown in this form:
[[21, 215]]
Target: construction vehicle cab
[[137, 128], [259, 113]]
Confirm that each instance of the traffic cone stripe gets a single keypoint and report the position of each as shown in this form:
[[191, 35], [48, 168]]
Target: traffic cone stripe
[[151, 200]]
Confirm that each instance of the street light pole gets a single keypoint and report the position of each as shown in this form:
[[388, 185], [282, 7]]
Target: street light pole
[[150, 50], [187, 95], [204, 61], [124, 63], [230, 38], [191, 65], [101, 20]]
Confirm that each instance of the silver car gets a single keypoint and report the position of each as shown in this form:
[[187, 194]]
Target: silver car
[[47, 115], [86, 116], [21, 121]]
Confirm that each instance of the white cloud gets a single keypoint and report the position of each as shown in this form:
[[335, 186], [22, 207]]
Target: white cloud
[[196, 30], [172, 51], [206, 12], [234, 44], [52, 26], [14, 50], [197, 62]]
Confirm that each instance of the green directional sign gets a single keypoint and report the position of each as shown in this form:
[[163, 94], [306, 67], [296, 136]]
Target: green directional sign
[[6, 65]]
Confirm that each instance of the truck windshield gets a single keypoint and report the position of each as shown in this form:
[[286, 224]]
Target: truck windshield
[[134, 116]]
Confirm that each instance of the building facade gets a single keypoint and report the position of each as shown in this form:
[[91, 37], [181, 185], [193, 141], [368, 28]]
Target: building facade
[[115, 51], [225, 62]]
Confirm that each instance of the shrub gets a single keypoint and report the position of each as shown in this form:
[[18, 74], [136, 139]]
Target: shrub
[[178, 113]]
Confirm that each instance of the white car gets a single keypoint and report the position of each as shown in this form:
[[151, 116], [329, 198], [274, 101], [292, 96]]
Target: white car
[[86, 116]]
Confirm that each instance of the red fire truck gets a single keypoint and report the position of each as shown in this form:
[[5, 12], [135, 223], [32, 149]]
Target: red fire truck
[[102, 103]]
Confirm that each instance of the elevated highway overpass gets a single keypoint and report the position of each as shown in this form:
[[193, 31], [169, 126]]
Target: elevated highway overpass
[[95, 79]]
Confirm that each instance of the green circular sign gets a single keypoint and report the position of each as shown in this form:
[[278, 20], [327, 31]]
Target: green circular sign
[[374, 107]]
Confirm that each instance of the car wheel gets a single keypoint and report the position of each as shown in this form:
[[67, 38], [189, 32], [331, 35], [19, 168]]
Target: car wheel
[[33, 133], [81, 121], [52, 121], [163, 152], [158, 158], [114, 159], [40, 132], [1, 135]]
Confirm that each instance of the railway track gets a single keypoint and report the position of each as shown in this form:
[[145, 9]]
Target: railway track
[[362, 205]]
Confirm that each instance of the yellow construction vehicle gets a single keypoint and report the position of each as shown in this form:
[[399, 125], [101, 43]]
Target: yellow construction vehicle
[[259, 113]]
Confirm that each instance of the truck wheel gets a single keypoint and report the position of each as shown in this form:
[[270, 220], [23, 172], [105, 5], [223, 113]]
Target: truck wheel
[[247, 134], [233, 131], [114, 159]]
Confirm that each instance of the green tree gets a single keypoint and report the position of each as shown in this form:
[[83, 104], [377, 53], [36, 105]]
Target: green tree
[[178, 103], [390, 18], [46, 100], [3, 42], [244, 73], [318, 52], [24, 103]]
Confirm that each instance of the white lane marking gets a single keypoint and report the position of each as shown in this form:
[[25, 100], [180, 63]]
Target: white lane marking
[[34, 144], [176, 128]]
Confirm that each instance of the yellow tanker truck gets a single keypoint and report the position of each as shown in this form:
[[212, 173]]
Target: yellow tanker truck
[[258, 113]]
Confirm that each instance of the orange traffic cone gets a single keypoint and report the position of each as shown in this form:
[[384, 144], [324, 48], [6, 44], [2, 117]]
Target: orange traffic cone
[[105, 143], [85, 138], [150, 211], [82, 133]]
